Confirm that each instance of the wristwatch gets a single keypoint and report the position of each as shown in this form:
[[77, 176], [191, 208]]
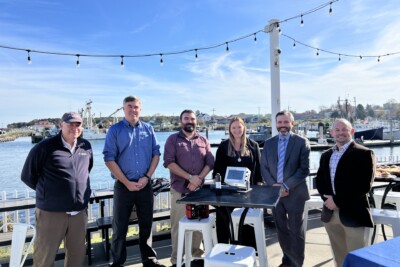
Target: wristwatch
[[190, 177], [148, 177]]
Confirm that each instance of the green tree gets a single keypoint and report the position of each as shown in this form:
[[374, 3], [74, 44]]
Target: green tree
[[361, 113], [370, 111], [335, 114]]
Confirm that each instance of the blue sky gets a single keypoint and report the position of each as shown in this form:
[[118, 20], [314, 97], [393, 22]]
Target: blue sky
[[229, 83]]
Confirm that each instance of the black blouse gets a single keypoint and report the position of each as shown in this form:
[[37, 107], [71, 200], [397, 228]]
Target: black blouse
[[252, 162]]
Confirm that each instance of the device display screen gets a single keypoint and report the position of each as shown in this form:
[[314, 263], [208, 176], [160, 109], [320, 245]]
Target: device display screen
[[235, 175]]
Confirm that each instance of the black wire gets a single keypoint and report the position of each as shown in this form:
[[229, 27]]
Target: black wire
[[167, 53]]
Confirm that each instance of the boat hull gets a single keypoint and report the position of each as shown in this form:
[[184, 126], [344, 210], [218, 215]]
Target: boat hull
[[370, 134]]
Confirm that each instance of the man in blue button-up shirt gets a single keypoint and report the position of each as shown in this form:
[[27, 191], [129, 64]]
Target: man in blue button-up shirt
[[131, 153]]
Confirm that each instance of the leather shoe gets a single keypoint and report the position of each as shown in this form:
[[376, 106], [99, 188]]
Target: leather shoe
[[152, 263]]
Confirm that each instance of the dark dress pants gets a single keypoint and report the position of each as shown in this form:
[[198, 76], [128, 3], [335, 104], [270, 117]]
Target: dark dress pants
[[288, 216], [124, 200]]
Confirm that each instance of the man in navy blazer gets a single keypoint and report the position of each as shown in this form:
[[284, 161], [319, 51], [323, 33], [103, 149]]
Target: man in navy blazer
[[344, 178], [285, 162]]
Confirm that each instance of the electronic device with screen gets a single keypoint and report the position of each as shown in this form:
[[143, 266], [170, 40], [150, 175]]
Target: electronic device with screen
[[238, 176]]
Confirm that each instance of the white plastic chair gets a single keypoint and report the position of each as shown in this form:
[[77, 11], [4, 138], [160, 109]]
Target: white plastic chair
[[18, 253]]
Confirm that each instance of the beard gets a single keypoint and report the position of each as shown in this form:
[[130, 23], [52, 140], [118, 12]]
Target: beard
[[285, 128], [189, 127]]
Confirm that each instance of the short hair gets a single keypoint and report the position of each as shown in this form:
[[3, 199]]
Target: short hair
[[344, 121], [185, 111], [285, 113], [131, 98]]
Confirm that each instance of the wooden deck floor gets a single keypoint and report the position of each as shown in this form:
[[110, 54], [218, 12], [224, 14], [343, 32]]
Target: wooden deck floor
[[318, 251]]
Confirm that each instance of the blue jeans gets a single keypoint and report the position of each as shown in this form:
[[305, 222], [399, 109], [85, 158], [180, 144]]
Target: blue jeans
[[124, 200]]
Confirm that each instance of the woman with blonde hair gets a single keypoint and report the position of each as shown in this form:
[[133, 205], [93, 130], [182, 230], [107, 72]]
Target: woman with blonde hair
[[237, 151]]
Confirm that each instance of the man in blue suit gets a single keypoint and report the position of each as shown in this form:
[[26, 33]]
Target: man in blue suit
[[285, 162]]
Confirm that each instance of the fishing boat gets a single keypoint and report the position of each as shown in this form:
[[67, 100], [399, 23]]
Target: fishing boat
[[364, 132], [91, 130]]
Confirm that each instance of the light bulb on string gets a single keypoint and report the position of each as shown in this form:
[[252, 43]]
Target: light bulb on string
[[294, 43], [78, 64], [29, 56], [317, 52], [360, 56], [255, 38], [195, 55], [122, 62], [379, 59], [339, 58], [227, 47], [302, 21], [330, 9], [161, 60]]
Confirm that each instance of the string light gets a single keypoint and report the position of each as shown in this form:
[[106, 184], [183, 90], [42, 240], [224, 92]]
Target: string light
[[29, 56], [340, 55], [379, 59], [122, 62], [161, 60], [195, 55], [77, 61], [302, 21], [255, 37]]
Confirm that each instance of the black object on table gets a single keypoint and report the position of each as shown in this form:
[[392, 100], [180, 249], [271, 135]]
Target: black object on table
[[258, 197]]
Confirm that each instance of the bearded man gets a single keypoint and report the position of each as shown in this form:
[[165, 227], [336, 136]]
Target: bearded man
[[285, 162], [189, 158]]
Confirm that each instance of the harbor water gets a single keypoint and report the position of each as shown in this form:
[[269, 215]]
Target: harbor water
[[13, 154]]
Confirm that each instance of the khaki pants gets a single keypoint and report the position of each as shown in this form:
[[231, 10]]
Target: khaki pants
[[344, 239], [54, 227], [177, 212]]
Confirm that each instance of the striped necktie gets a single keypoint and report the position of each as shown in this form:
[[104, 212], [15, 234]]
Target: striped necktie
[[281, 158]]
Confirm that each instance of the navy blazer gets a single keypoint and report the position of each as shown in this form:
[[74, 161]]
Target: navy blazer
[[353, 180], [297, 161]]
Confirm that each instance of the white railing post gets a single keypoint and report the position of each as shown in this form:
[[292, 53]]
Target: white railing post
[[16, 217], [5, 215], [27, 211]]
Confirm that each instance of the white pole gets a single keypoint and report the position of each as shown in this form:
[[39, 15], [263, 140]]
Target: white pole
[[274, 55]]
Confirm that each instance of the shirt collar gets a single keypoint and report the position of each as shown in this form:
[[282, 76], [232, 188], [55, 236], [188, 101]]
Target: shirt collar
[[65, 143], [127, 123], [286, 137], [182, 134], [343, 148]]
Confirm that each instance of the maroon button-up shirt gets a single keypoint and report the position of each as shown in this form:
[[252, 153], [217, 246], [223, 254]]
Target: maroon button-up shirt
[[190, 154]]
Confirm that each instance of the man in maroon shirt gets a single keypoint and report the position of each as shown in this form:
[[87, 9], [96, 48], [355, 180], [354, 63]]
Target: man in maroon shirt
[[188, 157]]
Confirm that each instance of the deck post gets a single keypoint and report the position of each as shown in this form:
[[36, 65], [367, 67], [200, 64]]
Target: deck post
[[275, 52]]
